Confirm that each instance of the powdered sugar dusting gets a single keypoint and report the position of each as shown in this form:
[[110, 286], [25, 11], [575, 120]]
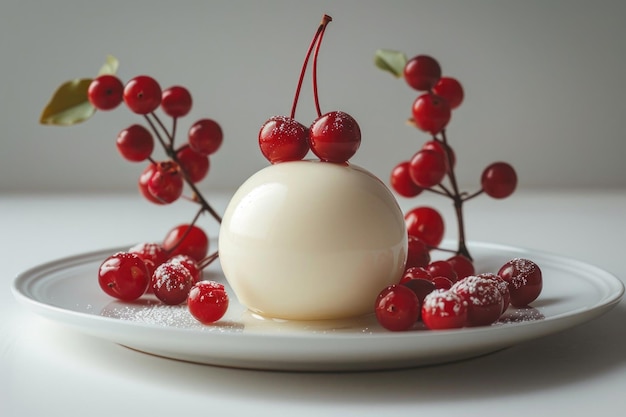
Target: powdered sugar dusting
[[154, 312], [443, 303], [522, 268], [479, 291]]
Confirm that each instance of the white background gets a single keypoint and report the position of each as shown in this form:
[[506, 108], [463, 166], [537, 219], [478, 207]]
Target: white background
[[544, 82]]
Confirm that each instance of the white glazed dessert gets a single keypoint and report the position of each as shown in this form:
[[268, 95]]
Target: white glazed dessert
[[310, 240]]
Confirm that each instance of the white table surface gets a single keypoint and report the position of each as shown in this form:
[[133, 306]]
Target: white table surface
[[46, 369]]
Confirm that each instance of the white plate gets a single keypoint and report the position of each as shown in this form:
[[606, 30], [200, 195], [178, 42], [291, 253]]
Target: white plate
[[67, 291]]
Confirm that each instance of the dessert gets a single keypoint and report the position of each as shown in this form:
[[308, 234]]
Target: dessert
[[311, 240]]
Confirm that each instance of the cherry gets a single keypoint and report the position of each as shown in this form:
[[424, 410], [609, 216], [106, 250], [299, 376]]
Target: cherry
[[135, 143], [431, 113], [450, 89], [402, 183], [283, 139], [442, 283], [187, 240], [502, 286], [524, 279], [417, 253], [191, 265], [205, 136], [124, 275], [422, 72], [484, 300], [442, 269], [425, 223], [166, 183], [195, 165], [105, 92], [207, 301], [152, 254], [461, 265], [176, 101], [415, 272], [335, 137], [444, 309], [142, 94], [499, 180], [427, 168], [397, 308], [445, 150], [144, 179], [171, 283], [421, 287]]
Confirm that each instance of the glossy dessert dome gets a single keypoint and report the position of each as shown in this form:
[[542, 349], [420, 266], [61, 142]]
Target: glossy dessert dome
[[311, 240]]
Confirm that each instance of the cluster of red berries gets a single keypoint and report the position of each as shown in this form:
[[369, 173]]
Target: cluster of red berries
[[447, 294], [333, 137], [435, 160], [171, 270], [162, 181]]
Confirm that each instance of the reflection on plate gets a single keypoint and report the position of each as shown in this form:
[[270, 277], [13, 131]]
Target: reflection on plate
[[67, 291]]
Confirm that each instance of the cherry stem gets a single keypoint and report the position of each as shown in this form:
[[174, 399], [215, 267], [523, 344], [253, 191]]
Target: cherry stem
[[325, 20], [169, 150], [158, 120], [476, 194], [187, 230], [320, 29], [208, 260], [157, 133], [457, 200]]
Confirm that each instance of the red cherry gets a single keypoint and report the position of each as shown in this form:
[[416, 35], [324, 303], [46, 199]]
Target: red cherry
[[402, 183], [105, 92], [283, 139], [525, 280], [442, 283], [427, 168], [426, 224], [152, 254], [442, 269], [124, 276], [193, 243], [438, 146], [499, 180], [142, 94], [418, 253], [421, 287], [135, 143], [207, 301], [176, 101], [195, 165], [166, 183], [461, 265], [450, 89], [422, 72], [443, 309], [205, 136], [415, 272], [335, 137], [502, 286], [171, 283], [144, 179], [484, 300], [191, 265], [397, 308], [431, 113]]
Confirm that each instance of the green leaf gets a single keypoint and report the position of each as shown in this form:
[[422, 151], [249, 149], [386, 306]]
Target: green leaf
[[69, 104], [110, 66], [390, 61]]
